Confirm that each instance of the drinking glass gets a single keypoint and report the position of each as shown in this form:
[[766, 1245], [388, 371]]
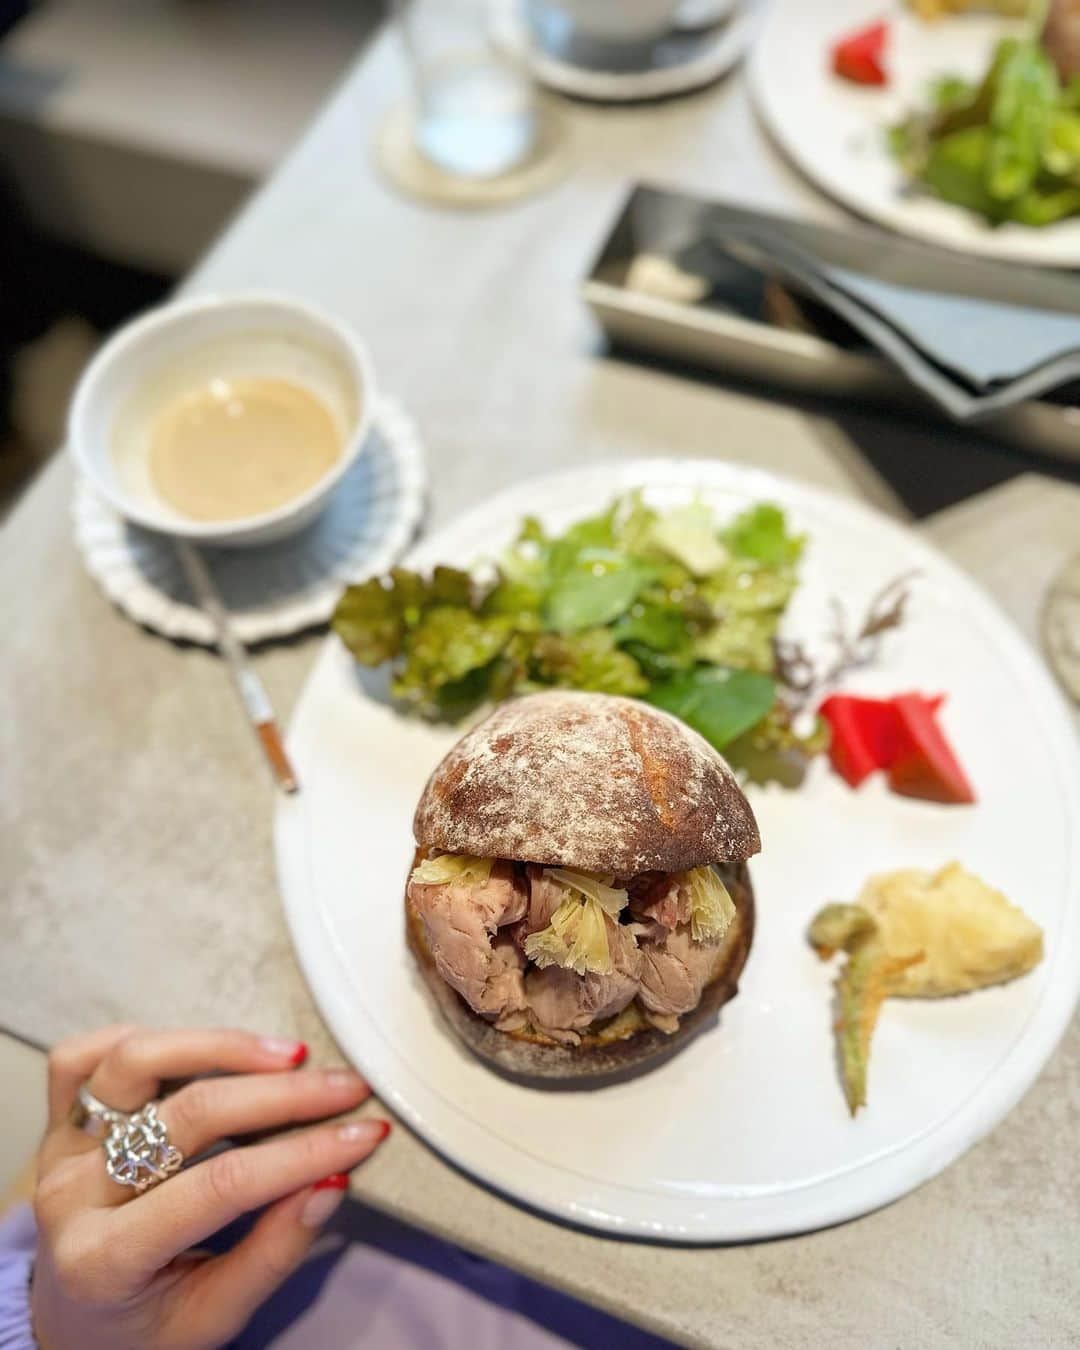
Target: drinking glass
[[475, 109]]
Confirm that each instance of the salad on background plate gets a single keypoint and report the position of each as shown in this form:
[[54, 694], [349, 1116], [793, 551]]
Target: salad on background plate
[[1006, 145], [959, 130]]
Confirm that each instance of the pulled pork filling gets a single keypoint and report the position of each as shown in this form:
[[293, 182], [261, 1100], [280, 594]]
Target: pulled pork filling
[[560, 950]]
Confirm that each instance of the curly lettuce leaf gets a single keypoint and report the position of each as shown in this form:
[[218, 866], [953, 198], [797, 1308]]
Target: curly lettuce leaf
[[689, 535], [373, 617], [718, 702], [746, 600], [443, 653], [525, 562], [741, 640], [592, 661], [746, 586], [455, 699], [660, 628], [761, 533], [712, 908]]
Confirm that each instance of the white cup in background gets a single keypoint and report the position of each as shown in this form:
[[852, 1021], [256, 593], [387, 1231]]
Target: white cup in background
[[614, 21]]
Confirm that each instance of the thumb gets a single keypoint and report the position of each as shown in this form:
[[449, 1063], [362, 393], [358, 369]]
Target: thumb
[[223, 1294]]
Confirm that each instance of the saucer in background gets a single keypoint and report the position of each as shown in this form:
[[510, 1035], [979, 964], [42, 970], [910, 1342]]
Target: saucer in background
[[564, 60]]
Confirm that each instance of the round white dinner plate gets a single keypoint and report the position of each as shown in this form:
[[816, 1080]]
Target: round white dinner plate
[[835, 131], [274, 590], [745, 1134], [680, 65]]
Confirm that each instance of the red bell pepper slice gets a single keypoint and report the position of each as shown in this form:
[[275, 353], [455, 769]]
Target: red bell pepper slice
[[924, 764], [859, 57], [897, 734], [863, 734]]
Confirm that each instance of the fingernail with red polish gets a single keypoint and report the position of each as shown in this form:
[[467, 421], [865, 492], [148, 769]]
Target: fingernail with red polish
[[338, 1182], [325, 1197], [364, 1131], [282, 1047]]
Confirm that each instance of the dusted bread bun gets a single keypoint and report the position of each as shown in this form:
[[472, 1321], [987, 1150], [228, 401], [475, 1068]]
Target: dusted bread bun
[[587, 781]]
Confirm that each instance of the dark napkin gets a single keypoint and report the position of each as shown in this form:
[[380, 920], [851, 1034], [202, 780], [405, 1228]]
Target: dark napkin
[[975, 336]]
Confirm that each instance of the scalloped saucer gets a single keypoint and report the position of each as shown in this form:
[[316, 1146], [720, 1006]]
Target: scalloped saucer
[[281, 589], [562, 60]]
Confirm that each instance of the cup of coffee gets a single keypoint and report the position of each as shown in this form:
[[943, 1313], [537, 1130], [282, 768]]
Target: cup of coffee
[[620, 21]]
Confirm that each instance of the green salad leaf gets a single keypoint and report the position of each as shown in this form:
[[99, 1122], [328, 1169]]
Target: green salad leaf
[[668, 606], [595, 588], [716, 701], [762, 533], [1007, 148], [590, 660], [688, 535]]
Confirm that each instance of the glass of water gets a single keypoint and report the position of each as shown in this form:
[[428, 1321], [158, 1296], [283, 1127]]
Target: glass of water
[[475, 109]]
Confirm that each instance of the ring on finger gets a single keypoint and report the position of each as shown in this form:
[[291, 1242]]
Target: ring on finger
[[138, 1151], [91, 1115]]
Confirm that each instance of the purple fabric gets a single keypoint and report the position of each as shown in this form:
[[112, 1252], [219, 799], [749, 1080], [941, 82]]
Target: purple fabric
[[18, 1242], [371, 1282], [375, 1282]]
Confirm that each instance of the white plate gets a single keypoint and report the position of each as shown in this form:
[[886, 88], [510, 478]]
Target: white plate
[[745, 1134], [835, 131], [707, 58], [273, 590]]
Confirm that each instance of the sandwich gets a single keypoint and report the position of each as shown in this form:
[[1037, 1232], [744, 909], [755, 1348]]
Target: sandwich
[[580, 904]]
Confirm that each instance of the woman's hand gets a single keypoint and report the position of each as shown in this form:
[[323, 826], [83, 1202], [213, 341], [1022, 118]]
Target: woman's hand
[[114, 1268]]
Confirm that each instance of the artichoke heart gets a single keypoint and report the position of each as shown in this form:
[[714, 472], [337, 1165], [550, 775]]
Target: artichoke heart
[[712, 908], [576, 938], [595, 887], [448, 868]]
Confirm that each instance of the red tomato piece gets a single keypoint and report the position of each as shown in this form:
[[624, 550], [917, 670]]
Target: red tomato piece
[[860, 56]]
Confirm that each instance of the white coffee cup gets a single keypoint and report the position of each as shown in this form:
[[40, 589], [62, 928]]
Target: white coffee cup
[[258, 334], [620, 20]]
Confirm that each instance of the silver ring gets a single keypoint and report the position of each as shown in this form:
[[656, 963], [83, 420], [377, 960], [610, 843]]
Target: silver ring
[[138, 1152], [93, 1116]]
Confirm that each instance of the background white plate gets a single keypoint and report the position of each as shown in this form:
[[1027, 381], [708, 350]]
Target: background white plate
[[745, 1134], [277, 589], [835, 131]]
